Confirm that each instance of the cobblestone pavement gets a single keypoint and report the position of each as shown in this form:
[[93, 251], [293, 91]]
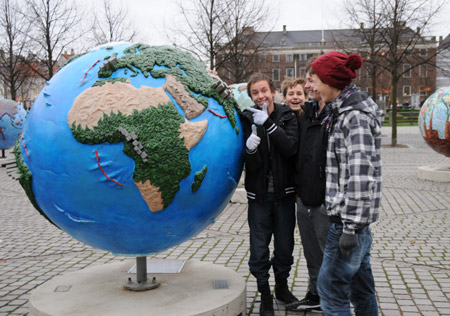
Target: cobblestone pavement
[[410, 254]]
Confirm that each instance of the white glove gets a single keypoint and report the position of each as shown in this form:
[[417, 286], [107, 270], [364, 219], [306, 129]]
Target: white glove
[[260, 116], [253, 140]]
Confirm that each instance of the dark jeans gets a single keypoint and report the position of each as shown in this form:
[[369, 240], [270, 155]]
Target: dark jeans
[[275, 218], [313, 224], [347, 278]]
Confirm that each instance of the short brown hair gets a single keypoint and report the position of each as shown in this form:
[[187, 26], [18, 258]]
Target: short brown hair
[[291, 83], [259, 77]]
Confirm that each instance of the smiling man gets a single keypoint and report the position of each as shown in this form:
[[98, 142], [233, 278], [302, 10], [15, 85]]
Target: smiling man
[[270, 131]]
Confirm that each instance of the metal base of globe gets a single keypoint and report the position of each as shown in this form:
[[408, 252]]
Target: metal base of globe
[[141, 283], [141, 286], [3, 154], [201, 288], [434, 173]]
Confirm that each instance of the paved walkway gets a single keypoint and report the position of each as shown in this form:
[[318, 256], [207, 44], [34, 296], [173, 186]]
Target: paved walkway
[[410, 256]]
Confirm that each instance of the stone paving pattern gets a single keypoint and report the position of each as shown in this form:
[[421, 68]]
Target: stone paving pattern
[[410, 253]]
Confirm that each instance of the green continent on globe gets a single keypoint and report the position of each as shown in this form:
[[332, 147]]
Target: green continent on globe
[[154, 134], [199, 176], [160, 61], [112, 80], [157, 129]]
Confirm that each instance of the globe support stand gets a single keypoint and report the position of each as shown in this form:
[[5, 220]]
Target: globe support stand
[[141, 283], [3, 154]]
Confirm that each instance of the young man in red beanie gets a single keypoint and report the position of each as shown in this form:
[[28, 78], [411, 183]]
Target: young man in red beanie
[[271, 134], [353, 187]]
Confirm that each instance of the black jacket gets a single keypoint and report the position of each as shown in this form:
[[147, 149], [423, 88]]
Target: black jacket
[[276, 152], [312, 154]]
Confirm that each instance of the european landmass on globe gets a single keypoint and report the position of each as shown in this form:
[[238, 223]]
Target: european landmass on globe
[[131, 119]]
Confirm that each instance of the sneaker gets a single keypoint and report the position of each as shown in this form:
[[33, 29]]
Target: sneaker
[[311, 302]]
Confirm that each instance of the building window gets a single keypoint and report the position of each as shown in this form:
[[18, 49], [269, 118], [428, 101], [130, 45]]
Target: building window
[[262, 57], [275, 58], [407, 71], [290, 72], [276, 74], [303, 57], [303, 72], [422, 90], [406, 91], [289, 58], [423, 52]]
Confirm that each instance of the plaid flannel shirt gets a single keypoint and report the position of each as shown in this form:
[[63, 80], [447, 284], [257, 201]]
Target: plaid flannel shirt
[[353, 183]]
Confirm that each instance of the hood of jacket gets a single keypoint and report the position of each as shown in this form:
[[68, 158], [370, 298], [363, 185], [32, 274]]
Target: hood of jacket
[[358, 100]]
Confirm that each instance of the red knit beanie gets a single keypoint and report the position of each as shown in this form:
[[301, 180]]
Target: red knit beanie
[[337, 69]]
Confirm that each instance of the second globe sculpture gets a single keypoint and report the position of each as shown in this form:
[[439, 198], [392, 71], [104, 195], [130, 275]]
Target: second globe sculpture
[[131, 148]]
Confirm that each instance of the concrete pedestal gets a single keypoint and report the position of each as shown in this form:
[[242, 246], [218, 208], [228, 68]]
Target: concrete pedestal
[[99, 290], [434, 173]]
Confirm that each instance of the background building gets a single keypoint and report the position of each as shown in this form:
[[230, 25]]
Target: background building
[[287, 54], [443, 63]]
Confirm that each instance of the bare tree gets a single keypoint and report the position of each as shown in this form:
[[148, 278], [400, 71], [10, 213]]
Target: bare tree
[[366, 14], [242, 45], [212, 28], [55, 26], [199, 28], [112, 24], [406, 22], [396, 38], [12, 45]]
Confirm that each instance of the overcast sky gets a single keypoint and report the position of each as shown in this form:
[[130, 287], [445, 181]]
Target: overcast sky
[[152, 16]]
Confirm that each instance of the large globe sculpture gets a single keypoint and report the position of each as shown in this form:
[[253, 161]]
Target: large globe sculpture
[[434, 121], [130, 149], [12, 116]]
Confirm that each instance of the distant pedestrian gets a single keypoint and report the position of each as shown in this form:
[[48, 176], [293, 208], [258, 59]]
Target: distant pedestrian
[[270, 131], [353, 187]]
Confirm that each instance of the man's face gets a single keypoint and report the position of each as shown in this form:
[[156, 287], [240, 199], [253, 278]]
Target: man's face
[[295, 97], [327, 92], [313, 93], [260, 93]]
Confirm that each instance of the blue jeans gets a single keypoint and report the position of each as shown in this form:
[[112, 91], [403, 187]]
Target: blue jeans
[[347, 278], [313, 224], [275, 218]]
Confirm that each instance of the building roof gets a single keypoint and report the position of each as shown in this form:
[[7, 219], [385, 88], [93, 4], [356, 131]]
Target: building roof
[[311, 38], [446, 42], [301, 38]]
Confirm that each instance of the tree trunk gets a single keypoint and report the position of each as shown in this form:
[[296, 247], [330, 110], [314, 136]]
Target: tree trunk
[[394, 112]]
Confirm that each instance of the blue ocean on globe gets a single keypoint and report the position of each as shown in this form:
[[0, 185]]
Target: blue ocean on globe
[[89, 189], [12, 117]]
